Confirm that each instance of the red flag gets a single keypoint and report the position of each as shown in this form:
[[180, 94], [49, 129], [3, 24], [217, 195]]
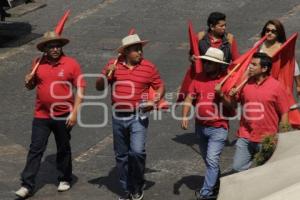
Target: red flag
[[194, 69], [188, 78], [60, 26], [241, 73], [283, 70], [131, 31], [194, 48]]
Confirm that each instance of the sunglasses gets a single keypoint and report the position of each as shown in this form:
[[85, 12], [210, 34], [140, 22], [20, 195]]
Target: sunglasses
[[274, 31], [135, 48], [52, 46]]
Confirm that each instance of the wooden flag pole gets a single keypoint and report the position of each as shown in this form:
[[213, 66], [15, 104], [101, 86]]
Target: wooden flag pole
[[230, 73], [131, 32], [241, 85], [36, 65], [111, 71]]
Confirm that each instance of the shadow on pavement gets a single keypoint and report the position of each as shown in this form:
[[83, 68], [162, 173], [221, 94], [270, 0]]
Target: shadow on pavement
[[14, 34], [111, 181], [188, 139], [192, 182], [191, 140], [48, 173]]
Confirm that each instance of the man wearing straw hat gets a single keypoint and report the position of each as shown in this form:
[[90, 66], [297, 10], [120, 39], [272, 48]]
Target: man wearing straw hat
[[211, 126], [131, 76], [264, 104], [54, 75]]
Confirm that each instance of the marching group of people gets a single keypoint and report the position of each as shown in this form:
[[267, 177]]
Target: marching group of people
[[131, 76]]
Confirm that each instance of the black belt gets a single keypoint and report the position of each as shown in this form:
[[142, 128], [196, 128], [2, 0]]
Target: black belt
[[125, 113]]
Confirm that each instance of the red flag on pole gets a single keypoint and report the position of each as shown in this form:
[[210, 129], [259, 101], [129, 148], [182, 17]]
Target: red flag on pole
[[194, 48], [131, 31], [187, 80], [60, 26], [240, 73], [195, 68], [283, 70]]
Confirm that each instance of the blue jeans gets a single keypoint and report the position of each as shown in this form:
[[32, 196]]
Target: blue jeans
[[245, 150], [212, 141], [129, 134]]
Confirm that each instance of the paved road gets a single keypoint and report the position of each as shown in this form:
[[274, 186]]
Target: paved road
[[174, 167]]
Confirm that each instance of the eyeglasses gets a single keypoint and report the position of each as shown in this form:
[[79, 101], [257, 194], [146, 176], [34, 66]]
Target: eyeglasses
[[274, 31]]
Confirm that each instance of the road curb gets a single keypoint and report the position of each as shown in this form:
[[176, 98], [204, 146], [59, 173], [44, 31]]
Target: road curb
[[26, 8]]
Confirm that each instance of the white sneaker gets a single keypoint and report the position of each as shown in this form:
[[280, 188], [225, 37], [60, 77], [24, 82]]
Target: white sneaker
[[23, 192], [63, 186]]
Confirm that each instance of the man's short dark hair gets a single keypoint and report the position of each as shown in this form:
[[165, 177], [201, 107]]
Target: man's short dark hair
[[265, 60], [214, 18]]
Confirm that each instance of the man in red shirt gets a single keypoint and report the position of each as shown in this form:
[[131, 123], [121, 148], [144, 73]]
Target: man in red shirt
[[131, 76], [211, 126], [264, 104], [217, 37], [55, 110]]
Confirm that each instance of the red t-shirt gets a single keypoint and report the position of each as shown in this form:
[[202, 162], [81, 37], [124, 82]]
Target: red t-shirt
[[209, 111], [131, 86], [233, 46], [263, 106], [54, 87]]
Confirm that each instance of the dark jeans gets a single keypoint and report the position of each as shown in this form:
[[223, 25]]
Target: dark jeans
[[41, 129], [129, 146]]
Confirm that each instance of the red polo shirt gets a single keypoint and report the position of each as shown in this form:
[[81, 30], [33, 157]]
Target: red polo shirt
[[131, 86], [263, 106], [233, 47], [208, 108], [54, 86]]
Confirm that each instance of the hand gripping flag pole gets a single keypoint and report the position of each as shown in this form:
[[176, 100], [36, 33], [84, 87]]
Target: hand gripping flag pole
[[131, 32]]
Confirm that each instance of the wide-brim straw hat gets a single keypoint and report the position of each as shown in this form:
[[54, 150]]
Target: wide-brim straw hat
[[131, 40], [214, 55], [49, 37]]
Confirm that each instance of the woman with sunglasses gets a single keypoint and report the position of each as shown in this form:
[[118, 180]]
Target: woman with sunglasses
[[275, 38]]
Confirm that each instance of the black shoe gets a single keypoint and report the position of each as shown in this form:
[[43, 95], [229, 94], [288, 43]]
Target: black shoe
[[126, 196], [208, 197], [138, 195], [4, 14], [29, 1]]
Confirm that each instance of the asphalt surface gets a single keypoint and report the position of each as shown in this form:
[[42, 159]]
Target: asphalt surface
[[95, 28]]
